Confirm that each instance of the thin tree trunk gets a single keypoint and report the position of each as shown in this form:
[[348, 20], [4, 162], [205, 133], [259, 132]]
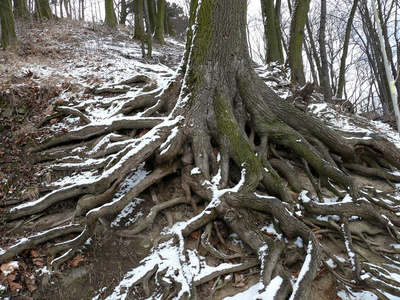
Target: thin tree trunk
[[342, 71], [149, 41], [168, 25], [314, 52], [124, 14], [326, 83]]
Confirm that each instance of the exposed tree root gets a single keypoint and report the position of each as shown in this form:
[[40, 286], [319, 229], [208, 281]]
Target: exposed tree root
[[232, 145]]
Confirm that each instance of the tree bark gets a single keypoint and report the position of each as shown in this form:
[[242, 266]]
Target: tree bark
[[226, 143], [299, 18], [151, 4], [274, 51], [8, 36], [110, 18], [43, 9], [159, 30], [342, 70], [326, 84], [20, 8], [124, 12]]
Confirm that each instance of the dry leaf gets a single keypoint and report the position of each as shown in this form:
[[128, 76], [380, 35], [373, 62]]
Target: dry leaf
[[77, 260], [33, 253], [15, 286], [296, 274], [143, 132], [30, 282], [38, 261], [239, 280], [11, 277], [195, 235], [9, 267]]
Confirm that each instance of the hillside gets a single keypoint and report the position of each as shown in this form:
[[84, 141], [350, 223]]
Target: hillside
[[72, 100]]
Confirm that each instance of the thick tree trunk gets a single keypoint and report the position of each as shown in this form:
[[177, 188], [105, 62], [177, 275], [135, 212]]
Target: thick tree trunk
[[159, 30], [8, 36], [229, 143], [110, 18], [272, 32], [299, 18], [43, 9], [151, 4], [20, 8]]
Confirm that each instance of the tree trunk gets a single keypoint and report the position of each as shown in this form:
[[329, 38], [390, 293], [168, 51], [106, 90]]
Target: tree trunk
[[375, 58], [326, 83], [159, 31], [342, 70], [124, 12], [314, 52], [8, 36], [151, 4], [232, 150], [110, 18], [272, 32], [20, 8], [299, 18], [139, 25], [168, 25], [43, 9], [149, 41]]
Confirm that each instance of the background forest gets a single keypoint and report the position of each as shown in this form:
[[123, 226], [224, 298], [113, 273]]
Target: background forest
[[183, 150], [341, 49]]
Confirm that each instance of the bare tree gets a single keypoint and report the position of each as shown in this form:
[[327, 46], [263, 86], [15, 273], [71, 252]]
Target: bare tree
[[236, 150]]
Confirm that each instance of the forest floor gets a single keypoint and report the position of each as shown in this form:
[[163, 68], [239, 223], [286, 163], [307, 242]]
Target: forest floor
[[61, 63], [57, 62]]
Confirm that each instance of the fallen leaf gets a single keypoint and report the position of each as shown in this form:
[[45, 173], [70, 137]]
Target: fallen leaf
[[28, 74], [38, 262], [195, 235], [143, 132], [77, 260], [9, 267], [296, 274], [15, 286], [11, 277], [30, 282], [33, 253]]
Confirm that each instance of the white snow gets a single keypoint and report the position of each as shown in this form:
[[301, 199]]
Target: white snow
[[304, 269], [195, 171], [126, 212], [303, 196], [253, 293], [270, 230]]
